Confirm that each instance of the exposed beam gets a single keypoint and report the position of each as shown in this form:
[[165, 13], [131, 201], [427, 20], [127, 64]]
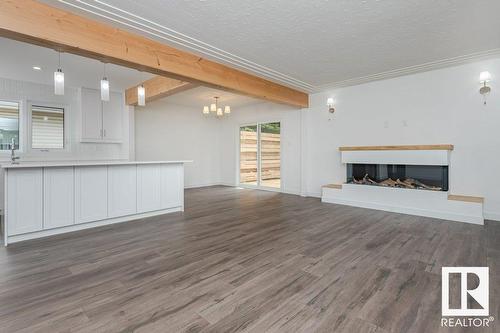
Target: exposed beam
[[156, 88], [41, 24]]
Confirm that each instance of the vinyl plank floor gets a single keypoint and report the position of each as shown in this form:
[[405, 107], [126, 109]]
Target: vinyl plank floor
[[245, 261]]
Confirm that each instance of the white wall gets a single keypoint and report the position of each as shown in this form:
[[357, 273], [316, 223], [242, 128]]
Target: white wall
[[290, 141], [441, 106], [164, 131]]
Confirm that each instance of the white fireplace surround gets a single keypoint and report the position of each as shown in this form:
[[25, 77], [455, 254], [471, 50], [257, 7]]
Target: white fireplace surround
[[435, 204]]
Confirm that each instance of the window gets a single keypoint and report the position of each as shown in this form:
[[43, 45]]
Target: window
[[9, 125], [47, 127]]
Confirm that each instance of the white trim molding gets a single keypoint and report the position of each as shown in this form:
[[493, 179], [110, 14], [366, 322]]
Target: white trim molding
[[426, 67]]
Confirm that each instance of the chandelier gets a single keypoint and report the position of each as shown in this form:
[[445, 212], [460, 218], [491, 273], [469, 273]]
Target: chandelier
[[214, 107]]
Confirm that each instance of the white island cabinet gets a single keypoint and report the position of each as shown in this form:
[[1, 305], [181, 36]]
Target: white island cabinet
[[51, 198]]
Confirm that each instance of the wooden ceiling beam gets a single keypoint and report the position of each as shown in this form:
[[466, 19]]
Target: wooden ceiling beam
[[37, 23], [156, 88]]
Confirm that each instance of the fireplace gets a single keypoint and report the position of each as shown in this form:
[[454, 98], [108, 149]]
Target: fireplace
[[420, 177]]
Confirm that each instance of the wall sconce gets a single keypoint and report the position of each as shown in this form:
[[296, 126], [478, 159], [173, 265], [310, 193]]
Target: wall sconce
[[330, 103], [484, 77]]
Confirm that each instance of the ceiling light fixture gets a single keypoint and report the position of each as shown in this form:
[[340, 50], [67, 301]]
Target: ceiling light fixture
[[214, 107], [104, 87], [141, 95], [37, 68], [331, 105], [484, 77], [59, 78]]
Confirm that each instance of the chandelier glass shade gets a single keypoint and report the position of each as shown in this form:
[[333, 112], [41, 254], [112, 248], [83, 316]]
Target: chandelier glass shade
[[216, 109]]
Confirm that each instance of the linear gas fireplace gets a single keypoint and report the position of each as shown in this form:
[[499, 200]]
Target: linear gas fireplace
[[421, 177]]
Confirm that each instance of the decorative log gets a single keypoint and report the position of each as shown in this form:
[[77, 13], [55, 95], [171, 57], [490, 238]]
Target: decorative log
[[388, 182]]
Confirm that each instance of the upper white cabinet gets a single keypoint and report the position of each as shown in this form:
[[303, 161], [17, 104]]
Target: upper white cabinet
[[91, 115], [91, 193], [59, 197], [112, 117], [24, 201], [102, 122]]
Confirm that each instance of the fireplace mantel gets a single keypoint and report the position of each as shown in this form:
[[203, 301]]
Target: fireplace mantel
[[414, 155], [404, 147]]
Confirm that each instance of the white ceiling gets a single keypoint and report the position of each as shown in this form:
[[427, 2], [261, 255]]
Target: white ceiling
[[200, 96], [314, 44]]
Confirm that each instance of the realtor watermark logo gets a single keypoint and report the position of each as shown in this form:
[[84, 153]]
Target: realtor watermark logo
[[477, 294]]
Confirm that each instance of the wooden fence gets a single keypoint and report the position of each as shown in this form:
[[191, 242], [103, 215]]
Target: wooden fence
[[270, 152]]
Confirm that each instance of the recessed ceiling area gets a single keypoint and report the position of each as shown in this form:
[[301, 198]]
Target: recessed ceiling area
[[200, 96], [18, 59], [310, 45]]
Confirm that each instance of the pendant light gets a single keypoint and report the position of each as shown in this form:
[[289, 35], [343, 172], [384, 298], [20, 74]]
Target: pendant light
[[104, 87], [59, 79], [141, 95], [214, 107]]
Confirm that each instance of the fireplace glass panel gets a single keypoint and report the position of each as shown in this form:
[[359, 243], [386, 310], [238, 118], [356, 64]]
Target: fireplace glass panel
[[424, 177]]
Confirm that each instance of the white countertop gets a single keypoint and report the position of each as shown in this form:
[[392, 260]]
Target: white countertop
[[82, 163]]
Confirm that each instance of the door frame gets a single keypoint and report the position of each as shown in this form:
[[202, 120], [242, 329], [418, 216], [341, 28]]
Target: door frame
[[259, 187]]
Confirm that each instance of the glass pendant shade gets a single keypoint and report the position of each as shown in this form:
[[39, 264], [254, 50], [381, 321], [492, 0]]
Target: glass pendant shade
[[219, 112], [105, 89], [59, 82], [213, 107], [227, 109], [141, 95], [484, 77], [206, 110]]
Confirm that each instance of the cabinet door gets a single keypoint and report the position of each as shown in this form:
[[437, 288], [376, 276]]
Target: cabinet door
[[122, 192], [112, 118], [148, 188], [59, 195], [172, 185], [91, 115], [91, 193], [24, 201]]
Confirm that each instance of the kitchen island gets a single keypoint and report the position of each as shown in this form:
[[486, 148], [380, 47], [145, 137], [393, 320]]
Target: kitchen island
[[48, 198]]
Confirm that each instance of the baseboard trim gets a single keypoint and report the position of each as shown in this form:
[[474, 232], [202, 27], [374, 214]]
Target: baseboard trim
[[492, 216], [312, 194], [201, 185]]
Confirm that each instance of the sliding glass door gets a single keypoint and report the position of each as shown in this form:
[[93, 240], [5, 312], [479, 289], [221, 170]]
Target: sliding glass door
[[260, 155]]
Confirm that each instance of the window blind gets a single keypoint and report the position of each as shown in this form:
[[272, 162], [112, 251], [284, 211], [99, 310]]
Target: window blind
[[47, 127]]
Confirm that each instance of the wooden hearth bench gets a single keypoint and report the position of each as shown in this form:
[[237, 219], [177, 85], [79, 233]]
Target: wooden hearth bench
[[336, 186], [466, 198]]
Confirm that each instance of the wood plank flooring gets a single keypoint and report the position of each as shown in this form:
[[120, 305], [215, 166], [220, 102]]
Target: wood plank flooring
[[245, 261]]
